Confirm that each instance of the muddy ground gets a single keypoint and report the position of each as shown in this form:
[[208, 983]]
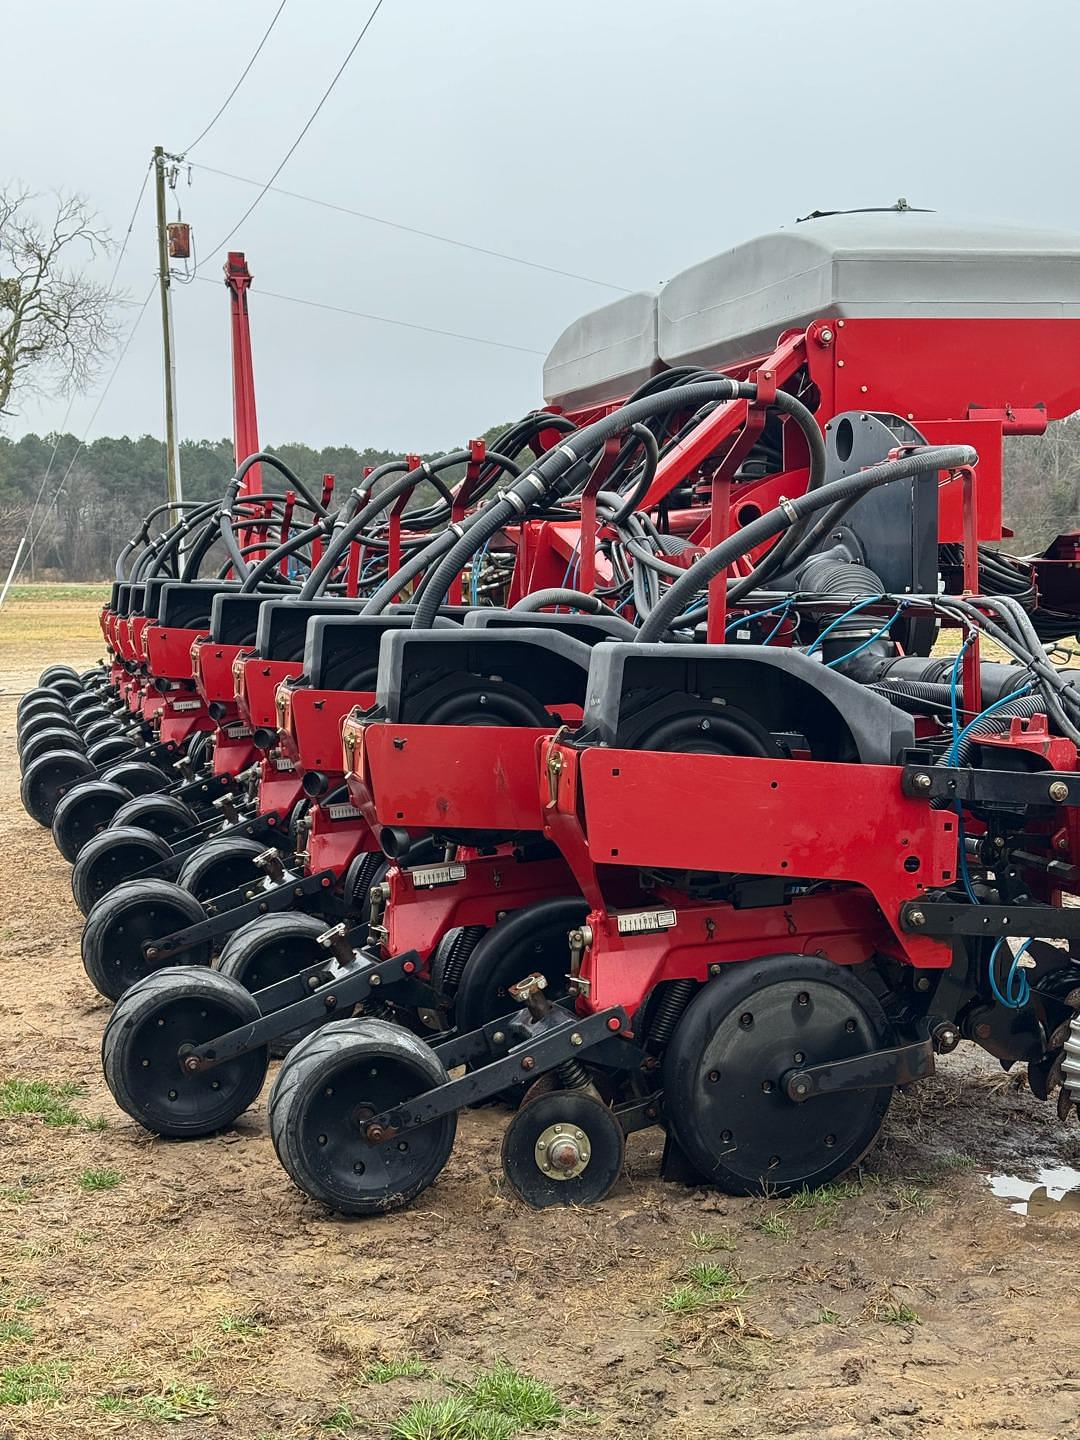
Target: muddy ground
[[149, 1288]]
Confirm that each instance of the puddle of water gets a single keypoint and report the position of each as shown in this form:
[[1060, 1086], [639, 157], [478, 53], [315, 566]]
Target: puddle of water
[[1054, 1189]]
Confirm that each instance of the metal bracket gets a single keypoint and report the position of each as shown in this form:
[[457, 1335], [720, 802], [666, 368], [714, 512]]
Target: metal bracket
[[899, 1065], [1046, 922], [281, 897], [982, 786]]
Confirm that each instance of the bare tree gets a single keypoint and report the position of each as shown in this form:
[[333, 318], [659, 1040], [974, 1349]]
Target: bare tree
[[56, 324]]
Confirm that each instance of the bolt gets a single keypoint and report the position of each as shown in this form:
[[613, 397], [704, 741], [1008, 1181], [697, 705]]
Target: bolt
[[825, 336], [576, 1039], [498, 1037], [527, 1062], [800, 1089], [191, 1063], [374, 979], [1059, 792], [916, 918], [152, 952], [922, 983], [922, 781]]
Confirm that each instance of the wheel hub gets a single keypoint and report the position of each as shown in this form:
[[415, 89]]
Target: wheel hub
[[562, 1152]]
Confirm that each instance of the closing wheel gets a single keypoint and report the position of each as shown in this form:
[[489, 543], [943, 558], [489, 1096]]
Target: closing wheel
[[137, 777], [221, 865], [52, 673], [142, 1052], [65, 686], [534, 938], [124, 920], [110, 749], [563, 1148], [79, 704], [722, 1071], [83, 812], [270, 949], [119, 853], [326, 1091], [39, 697], [46, 780], [40, 720], [163, 815], [44, 742], [99, 727]]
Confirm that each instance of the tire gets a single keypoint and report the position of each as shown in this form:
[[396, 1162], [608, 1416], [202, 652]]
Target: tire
[[46, 780], [110, 749], [98, 727], [723, 1101], [39, 695], [533, 938], [119, 924], [139, 1053], [56, 737], [116, 855], [83, 813], [39, 724], [57, 672], [318, 1091], [164, 815], [39, 713], [219, 866], [86, 701], [270, 949], [138, 777], [66, 686]]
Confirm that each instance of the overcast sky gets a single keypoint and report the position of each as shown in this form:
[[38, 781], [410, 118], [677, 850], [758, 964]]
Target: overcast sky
[[612, 138]]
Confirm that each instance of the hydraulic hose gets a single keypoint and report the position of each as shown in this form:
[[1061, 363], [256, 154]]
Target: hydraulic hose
[[784, 517], [262, 458], [543, 479], [574, 599]]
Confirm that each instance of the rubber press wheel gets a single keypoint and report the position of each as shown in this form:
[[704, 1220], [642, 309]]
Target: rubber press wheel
[[271, 949], [326, 1091], [55, 737], [46, 780], [83, 812], [106, 860], [221, 865], [137, 777], [142, 1052], [724, 1098], [137, 912], [164, 815]]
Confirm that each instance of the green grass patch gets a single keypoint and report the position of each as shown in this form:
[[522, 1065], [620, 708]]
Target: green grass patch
[[12, 1330], [895, 1312], [825, 1197], [172, 1403], [89, 591], [101, 1179], [827, 1316], [243, 1326], [704, 1240], [775, 1226], [20, 1384], [382, 1371], [704, 1285], [340, 1421], [912, 1197], [38, 1097], [496, 1405]]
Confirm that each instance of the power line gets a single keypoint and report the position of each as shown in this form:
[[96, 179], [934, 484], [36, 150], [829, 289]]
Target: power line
[[386, 320], [243, 76], [307, 126], [413, 230]]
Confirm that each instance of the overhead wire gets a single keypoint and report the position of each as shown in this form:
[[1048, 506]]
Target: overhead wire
[[385, 319], [243, 76], [414, 230], [306, 127]]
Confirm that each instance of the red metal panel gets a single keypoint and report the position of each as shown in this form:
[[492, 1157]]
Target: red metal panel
[[451, 777], [168, 650], [848, 823], [311, 720]]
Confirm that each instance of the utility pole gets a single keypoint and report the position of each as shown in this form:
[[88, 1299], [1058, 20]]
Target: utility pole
[[172, 446]]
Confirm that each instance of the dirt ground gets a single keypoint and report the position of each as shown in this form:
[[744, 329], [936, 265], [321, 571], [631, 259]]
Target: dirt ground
[[150, 1288]]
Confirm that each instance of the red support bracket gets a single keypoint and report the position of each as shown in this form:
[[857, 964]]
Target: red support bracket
[[462, 500], [286, 522], [587, 531]]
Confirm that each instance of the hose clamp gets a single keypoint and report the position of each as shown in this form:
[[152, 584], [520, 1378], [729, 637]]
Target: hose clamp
[[516, 501], [427, 470], [571, 454], [456, 529], [788, 508]]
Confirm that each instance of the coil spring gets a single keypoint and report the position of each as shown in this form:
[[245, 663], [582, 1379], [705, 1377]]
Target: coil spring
[[365, 872], [461, 947], [572, 1075], [674, 1001]]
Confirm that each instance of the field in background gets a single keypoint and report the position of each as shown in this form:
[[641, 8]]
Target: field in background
[[152, 1290]]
